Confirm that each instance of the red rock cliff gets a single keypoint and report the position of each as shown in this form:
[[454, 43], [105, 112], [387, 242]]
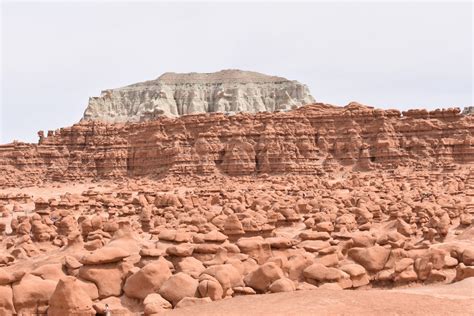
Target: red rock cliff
[[310, 140]]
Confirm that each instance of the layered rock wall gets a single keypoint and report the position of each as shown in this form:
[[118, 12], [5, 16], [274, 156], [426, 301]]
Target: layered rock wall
[[313, 139], [175, 94]]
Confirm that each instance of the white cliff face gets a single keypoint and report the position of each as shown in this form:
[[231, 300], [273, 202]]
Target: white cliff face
[[180, 94], [468, 110]]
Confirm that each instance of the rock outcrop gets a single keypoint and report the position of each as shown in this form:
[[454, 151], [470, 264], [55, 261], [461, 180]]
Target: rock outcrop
[[313, 139], [175, 94], [468, 110]]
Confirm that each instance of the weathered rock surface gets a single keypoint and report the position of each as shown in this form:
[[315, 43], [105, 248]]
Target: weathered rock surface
[[69, 298], [468, 110], [148, 280], [175, 94], [312, 140]]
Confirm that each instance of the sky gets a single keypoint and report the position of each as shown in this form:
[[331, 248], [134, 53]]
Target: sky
[[55, 55]]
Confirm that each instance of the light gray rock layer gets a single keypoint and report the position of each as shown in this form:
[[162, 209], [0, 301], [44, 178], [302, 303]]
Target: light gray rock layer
[[174, 94], [468, 110]]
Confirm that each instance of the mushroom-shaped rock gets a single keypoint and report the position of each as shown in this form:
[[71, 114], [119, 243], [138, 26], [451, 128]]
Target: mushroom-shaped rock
[[147, 280], [265, 275], [178, 287], [70, 299], [233, 226]]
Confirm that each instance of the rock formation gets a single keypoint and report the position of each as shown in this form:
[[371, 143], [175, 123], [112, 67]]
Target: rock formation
[[175, 94], [145, 217], [468, 110], [207, 238], [312, 139]]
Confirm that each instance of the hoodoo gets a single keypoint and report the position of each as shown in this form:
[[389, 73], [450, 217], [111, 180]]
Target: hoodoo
[[310, 140]]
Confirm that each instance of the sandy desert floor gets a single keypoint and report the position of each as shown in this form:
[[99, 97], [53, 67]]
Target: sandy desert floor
[[452, 299]]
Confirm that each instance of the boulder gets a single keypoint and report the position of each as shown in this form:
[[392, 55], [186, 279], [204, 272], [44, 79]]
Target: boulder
[[32, 294], [182, 250], [154, 303], [468, 256], [107, 277], [464, 272], [282, 285], [295, 266], [264, 276], [226, 274], [70, 299], [6, 300], [372, 258], [147, 280], [354, 270], [322, 273], [51, 271], [280, 242], [210, 287], [255, 247], [178, 287], [190, 266]]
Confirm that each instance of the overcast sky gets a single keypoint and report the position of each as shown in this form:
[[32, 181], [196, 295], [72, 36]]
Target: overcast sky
[[400, 55]]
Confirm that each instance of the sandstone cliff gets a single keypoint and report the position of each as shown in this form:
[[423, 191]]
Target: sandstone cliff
[[312, 139], [179, 94]]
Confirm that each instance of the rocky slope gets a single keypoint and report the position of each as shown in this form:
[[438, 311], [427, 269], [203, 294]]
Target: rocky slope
[[314, 139], [175, 94]]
